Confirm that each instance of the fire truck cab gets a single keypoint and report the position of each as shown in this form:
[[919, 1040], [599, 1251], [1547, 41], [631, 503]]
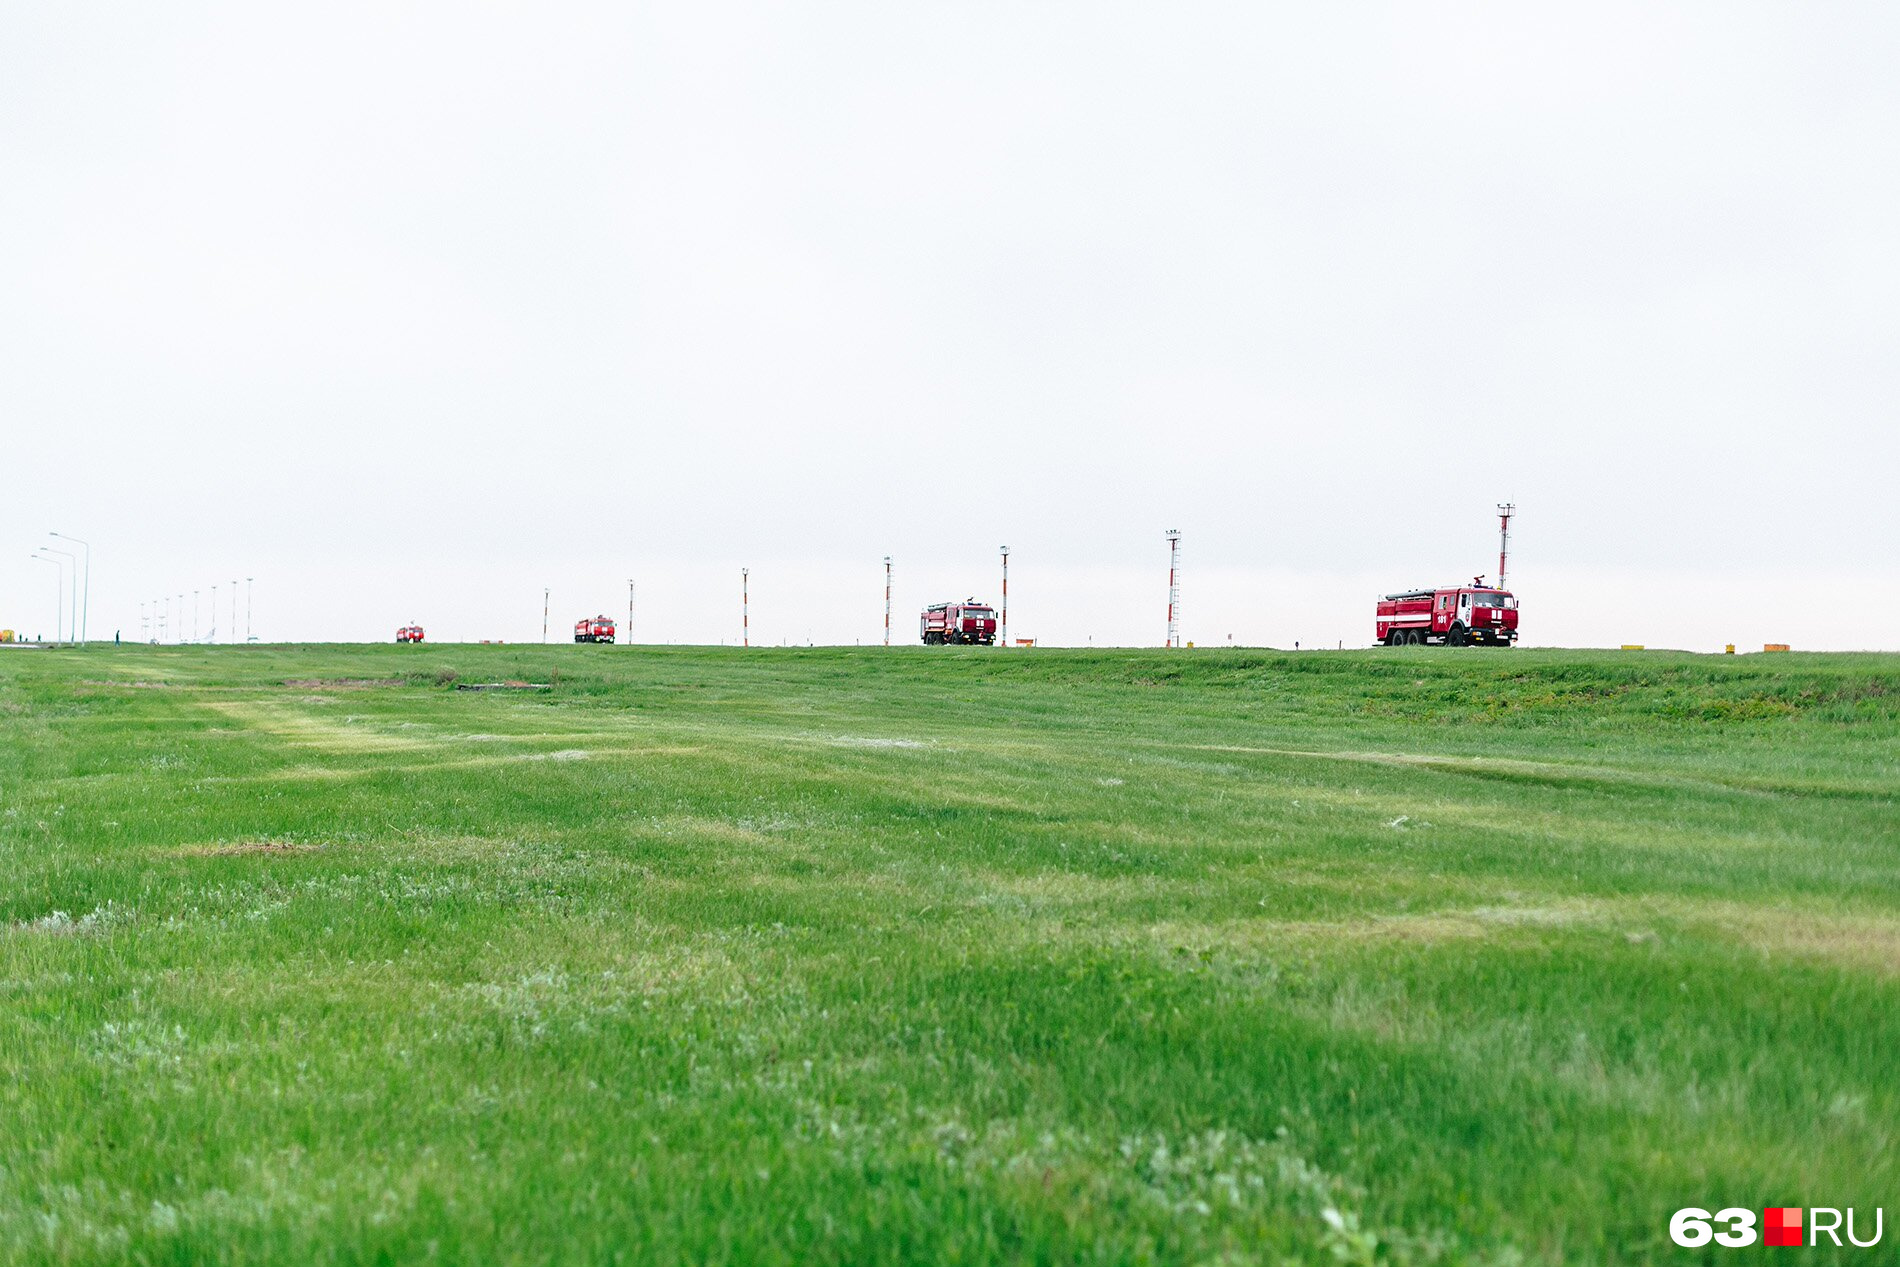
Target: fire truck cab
[[594, 629], [1466, 615], [409, 633], [967, 622]]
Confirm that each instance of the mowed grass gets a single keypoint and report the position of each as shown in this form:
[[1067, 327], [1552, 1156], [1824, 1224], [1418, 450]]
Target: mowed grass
[[951, 955]]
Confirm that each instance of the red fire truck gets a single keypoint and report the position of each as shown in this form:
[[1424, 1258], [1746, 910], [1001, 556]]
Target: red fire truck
[[1466, 615], [409, 633], [594, 629], [967, 621]]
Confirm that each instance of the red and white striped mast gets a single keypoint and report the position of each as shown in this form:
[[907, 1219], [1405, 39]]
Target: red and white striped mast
[[1505, 511], [745, 607], [1174, 587], [1002, 624]]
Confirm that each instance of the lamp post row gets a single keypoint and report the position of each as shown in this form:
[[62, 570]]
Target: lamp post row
[[72, 612], [160, 620], [79, 608]]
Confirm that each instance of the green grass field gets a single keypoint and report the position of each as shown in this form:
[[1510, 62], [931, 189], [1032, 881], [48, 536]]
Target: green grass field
[[945, 956]]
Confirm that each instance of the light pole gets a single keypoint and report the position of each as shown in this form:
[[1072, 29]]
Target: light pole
[[166, 619], [214, 615], [72, 595], [85, 605], [247, 607], [745, 607], [630, 611], [544, 615], [887, 600], [1002, 624], [142, 627], [59, 594], [194, 615]]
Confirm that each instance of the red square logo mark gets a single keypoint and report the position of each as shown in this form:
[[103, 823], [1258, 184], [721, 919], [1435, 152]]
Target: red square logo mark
[[1781, 1225]]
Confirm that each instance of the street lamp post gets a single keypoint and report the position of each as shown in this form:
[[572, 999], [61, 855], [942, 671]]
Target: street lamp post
[[247, 607], [887, 600], [59, 594], [72, 595], [630, 611], [214, 615], [194, 615], [745, 607], [85, 605]]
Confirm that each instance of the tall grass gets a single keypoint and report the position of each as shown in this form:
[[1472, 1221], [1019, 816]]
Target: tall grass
[[817, 956]]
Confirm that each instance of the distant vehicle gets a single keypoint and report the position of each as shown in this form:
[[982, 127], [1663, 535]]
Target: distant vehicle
[[409, 633], [594, 629], [1465, 615], [968, 622]]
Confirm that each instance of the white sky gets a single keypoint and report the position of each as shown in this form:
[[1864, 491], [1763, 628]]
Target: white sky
[[411, 310]]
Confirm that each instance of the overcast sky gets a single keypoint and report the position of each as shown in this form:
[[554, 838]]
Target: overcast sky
[[412, 311]]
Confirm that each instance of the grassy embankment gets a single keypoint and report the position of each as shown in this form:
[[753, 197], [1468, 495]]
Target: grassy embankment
[[838, 955]]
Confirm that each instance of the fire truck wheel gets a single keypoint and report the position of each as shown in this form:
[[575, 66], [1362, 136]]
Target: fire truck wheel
[[1412, 638], [1458, 637]]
